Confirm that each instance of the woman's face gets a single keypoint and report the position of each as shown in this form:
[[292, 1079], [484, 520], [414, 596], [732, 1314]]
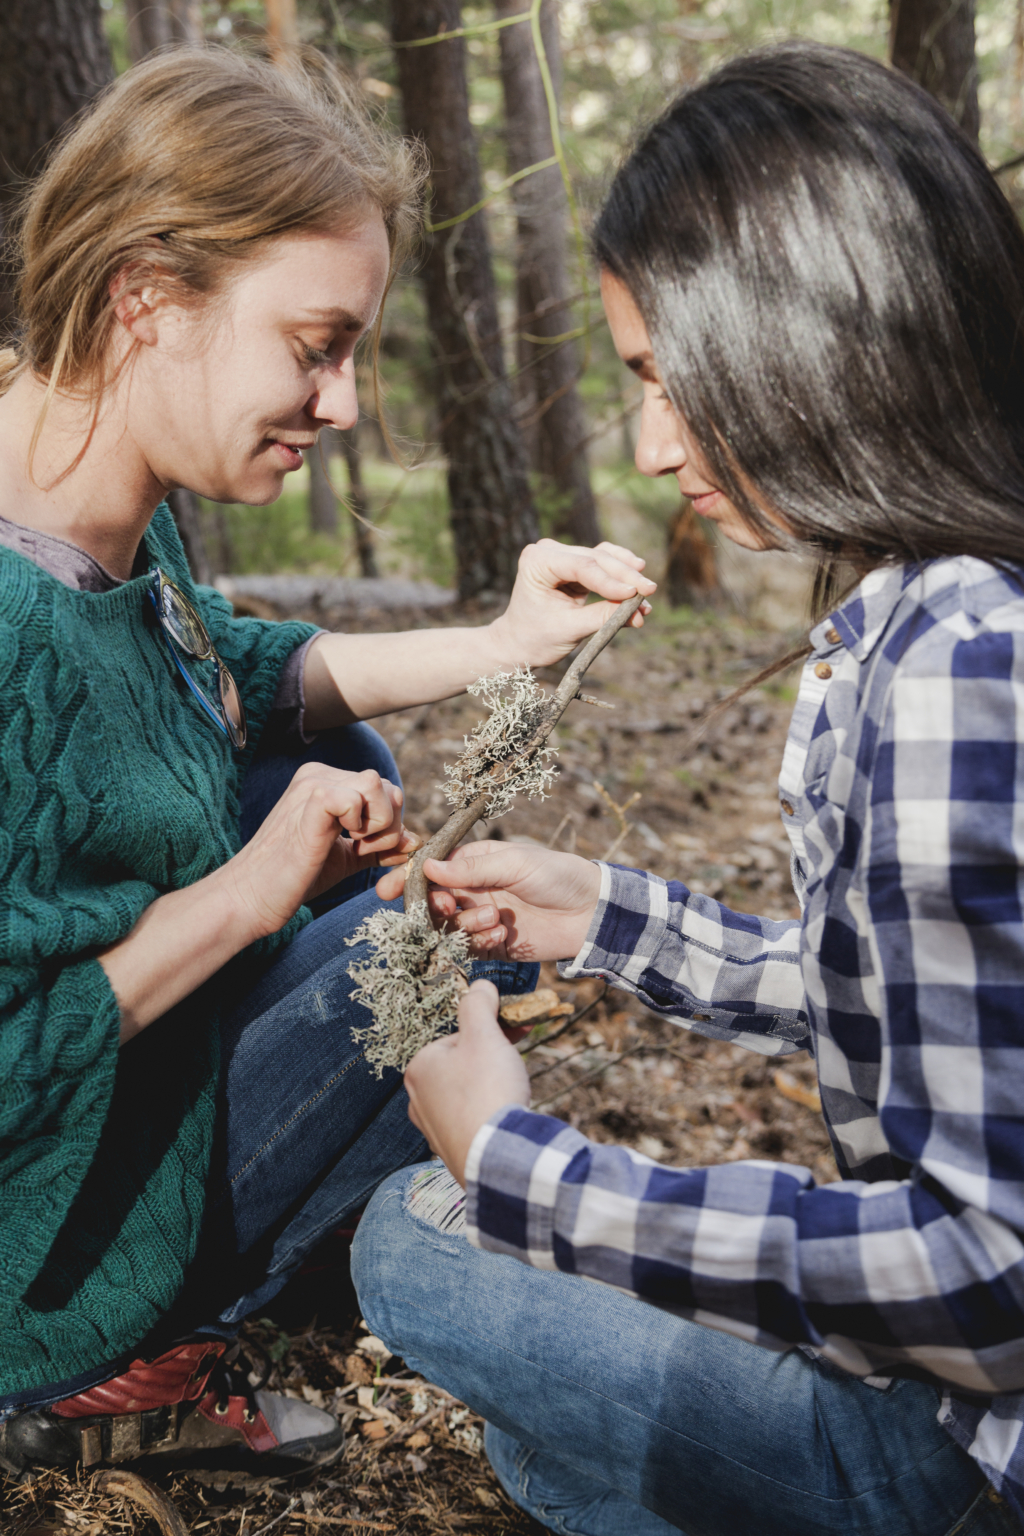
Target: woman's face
[[665, 446], [226, 395]]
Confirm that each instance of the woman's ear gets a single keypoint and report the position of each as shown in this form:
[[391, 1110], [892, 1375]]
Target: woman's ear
[[139, 309]]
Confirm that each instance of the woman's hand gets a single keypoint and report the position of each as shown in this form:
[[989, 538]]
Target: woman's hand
[[457, 1083], [299, 850], [182, 938], [548, 613], [516, 901]]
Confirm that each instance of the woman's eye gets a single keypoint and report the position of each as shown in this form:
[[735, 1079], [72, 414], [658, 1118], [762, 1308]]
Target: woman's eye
[[314, 355]]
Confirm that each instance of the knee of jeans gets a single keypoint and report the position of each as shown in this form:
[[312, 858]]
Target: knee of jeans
[[434, 1196], [394, 1258], [415, 1221]]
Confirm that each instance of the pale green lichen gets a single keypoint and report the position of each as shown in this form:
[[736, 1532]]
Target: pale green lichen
[[517, 705], [411, 985]]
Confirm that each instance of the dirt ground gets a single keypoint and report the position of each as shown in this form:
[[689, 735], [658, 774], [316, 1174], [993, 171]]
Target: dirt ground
[[639, 784]]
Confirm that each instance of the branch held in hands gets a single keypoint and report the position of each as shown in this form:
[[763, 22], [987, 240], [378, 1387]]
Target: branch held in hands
[[456, 827], [412, 981]]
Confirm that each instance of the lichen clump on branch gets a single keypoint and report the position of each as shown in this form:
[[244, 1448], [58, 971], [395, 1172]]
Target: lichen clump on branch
[[517, 705], [411, 985]]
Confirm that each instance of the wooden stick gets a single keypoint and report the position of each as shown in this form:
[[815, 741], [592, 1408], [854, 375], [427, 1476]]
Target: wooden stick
[[139, 1490], [457, 825]]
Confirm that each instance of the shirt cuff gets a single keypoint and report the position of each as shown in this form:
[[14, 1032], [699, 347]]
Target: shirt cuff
[[291, 693], [583, 962], [514, 1168]]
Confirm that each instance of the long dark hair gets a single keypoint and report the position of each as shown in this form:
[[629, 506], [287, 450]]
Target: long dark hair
[[833, 284]]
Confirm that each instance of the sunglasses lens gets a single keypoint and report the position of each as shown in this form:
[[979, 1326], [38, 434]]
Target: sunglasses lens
[[186, 627], [234, 710]]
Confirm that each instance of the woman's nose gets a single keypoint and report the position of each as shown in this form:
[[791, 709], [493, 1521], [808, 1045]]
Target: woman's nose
[[335, 402], [659, 448]]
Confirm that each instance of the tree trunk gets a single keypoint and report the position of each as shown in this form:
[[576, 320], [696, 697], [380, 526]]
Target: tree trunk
[[932, 41], [492, 511], [691, 576], [184, 507], [148, 25], [282, 29], [323, 504], [365, 543], [53, 59], [186, 21], [548, 371], [153, 24]]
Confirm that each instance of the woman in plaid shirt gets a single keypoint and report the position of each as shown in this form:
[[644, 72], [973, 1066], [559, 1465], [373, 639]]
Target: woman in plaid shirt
[[821, 288]]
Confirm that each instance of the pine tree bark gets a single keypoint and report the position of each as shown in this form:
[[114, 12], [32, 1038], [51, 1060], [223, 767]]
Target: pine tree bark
[[365, 543], [323, 504], [152, 24], [553, 418], [53, 59], [148, 25], [492, 512], [184, 507], [932, 41]]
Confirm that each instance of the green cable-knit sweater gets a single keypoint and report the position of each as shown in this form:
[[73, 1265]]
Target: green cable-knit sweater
[[114, 788]]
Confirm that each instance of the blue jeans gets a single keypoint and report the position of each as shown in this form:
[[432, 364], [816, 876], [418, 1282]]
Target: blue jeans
[[610, 1417], [305, 1130]]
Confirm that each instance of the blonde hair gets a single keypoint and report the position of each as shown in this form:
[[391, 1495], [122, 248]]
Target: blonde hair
[[179, 173]]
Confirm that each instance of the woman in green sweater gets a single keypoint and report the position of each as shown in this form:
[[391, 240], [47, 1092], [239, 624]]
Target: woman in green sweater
[[183, 1113]]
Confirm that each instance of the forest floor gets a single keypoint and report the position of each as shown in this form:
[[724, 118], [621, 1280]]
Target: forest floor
[[646, 786]]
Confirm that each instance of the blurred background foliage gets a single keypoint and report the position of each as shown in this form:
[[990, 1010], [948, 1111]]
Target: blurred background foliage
[[621, 63]]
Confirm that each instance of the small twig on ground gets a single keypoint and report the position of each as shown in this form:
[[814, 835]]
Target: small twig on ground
[[410, 1429], [619, 812], [140, 1491], [561, 1062], [277, 1519], [556, 834], [574, 1019], [588, 1077]]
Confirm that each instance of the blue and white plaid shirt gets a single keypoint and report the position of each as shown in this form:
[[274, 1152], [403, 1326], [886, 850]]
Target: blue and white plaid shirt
[[902, 790]]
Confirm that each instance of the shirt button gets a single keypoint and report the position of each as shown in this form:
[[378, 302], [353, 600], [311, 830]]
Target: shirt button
[[823, 670], [832, 636], [787, 807]]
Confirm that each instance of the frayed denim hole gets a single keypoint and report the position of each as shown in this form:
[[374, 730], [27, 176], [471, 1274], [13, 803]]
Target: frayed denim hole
[[435, 1198]]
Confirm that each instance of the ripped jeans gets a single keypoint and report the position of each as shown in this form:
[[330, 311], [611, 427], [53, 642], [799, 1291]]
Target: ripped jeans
[[305, 1130], [607, 1416]]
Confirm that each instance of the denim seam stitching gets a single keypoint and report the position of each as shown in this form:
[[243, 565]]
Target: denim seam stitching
[[291, 1120]]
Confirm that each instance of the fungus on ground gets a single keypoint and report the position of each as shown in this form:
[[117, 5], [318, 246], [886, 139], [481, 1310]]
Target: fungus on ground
[[412, 982]]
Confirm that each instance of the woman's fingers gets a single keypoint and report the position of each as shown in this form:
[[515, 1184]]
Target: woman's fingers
[[404, 846], [390, 886], [621, 553], [604, 570], [366, 805], [470, 869]]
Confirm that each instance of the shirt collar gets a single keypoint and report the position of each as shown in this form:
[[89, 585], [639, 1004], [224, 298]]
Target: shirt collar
[[863, 618]]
